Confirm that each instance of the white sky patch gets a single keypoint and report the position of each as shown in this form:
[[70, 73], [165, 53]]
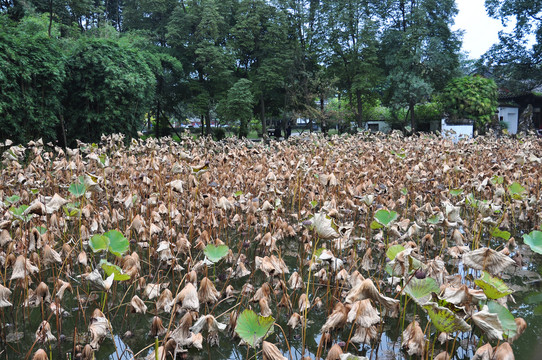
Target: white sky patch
[[480, 31]]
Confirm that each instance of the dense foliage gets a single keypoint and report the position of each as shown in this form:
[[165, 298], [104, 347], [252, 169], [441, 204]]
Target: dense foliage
[[108, 89], [31, 80], [471, 97], [174, 60], [516, 60]]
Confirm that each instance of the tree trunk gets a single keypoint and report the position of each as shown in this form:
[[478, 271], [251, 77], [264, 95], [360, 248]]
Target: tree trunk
[[262, 115], [208, 122], [50, 17], [359, 112], [157, 121], [63, 129], [324, 124], [412, 116]]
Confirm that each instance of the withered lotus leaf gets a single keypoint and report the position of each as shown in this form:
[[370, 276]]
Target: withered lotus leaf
[[487, 259], [271, 352], [5, 293], [413, 339], [367, 290], [43, 334], [489, 323], [98, 328], [138, 305]]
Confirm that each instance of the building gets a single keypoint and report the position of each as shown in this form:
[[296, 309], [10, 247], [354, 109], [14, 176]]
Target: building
[[521, 111]]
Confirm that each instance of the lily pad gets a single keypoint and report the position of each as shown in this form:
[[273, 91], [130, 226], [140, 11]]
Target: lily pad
[[516, 190], [394, 250], [435, 219], [215, 253], [456, 192], [77, 190], [420, 290], [444, 319], [493, 287], [99, 243], [505, 317], [113, 269], [41, 229], [500, 233], [113, 240], [385, 217], [253, 328], [497, 179], [534, 240], [118, 244], [13, 199], [18, 212]]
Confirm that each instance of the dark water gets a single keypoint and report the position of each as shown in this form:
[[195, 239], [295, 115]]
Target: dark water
[[20, 325]]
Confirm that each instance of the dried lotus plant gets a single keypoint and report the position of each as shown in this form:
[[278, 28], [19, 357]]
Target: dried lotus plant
[[343, 236]]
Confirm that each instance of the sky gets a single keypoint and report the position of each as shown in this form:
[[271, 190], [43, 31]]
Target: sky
[[480, 31]]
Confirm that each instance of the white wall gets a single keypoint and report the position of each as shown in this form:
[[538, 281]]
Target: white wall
[[382, 126], [510, 116], [455, 132]]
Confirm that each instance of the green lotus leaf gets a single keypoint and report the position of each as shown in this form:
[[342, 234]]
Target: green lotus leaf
[[385, 217], [534, 240], [394, 250], [493, 287], [375, 225], [456, 192], [215, 253], [501, 234], [77, 190], [118, 244], [505, 317], [420, 290], [113, 269], [444, 319], [253, 328], [99, 243], [18, 212], [435, 219], [41, 229], [516, 190], [13, 199]]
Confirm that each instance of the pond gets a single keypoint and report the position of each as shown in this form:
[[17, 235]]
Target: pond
[[382, 247]]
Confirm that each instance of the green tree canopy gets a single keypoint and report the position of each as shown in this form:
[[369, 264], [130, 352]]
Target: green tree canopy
[[420, 50], [238, 105], [32, 79], [471, 97], [514, 61], [108, 89]]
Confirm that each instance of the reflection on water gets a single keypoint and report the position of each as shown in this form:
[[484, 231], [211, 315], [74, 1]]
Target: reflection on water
[[122, 351]]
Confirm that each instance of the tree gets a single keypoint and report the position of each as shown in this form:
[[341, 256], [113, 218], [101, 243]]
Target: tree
[[197, 32], [420, 51], [260, 40], [471, 97], [108, 89], [352, 38], [238, 105], [515, 64], [32, 78]]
